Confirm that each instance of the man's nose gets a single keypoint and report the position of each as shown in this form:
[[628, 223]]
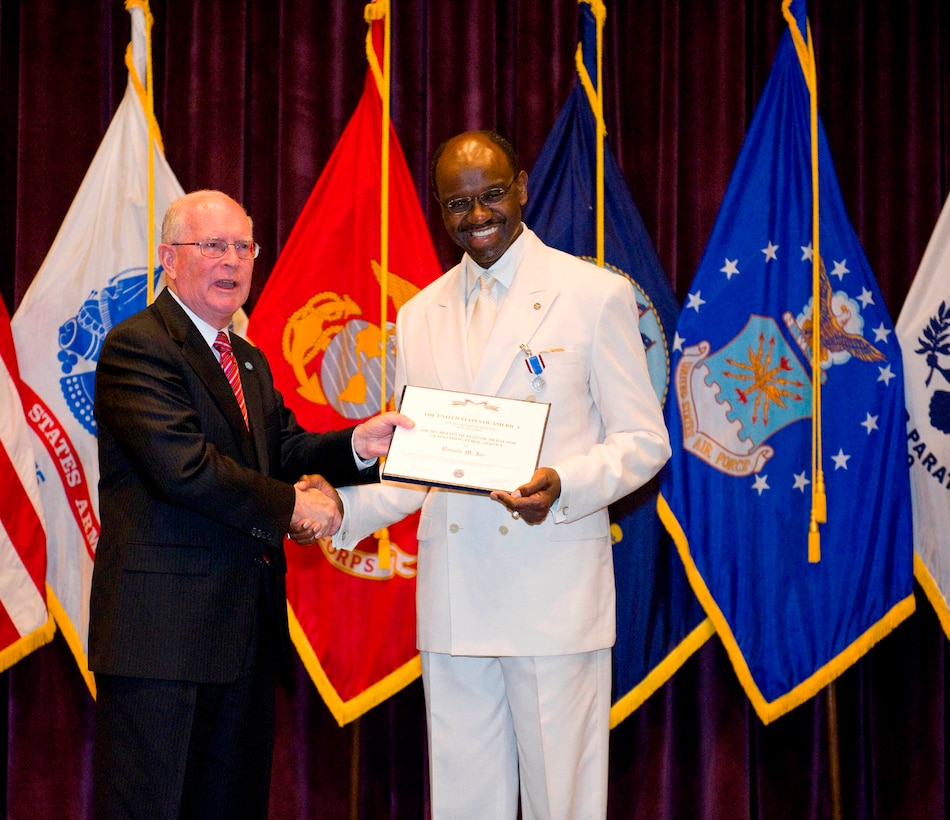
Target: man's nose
[[479, 212]]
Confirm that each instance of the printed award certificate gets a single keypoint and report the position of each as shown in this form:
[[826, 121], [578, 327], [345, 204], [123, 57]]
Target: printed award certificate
[[466, 441]]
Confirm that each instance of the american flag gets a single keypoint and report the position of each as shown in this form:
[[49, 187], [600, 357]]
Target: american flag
[[24, 620]]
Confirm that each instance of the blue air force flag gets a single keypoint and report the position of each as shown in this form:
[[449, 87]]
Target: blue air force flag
[[738, 495], [94, 275], [924, 332], [659, 621]]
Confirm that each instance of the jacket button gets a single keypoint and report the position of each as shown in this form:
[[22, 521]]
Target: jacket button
[[453, 528]]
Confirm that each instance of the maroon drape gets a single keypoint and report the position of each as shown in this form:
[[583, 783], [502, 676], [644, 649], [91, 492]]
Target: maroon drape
[[252, 96]]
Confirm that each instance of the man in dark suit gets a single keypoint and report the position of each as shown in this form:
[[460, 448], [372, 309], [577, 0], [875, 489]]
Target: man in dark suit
[[198, 460]]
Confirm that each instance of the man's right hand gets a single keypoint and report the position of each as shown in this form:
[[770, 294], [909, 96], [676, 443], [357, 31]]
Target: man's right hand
[[318, 510]]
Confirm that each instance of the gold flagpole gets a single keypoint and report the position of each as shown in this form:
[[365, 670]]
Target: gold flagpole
[[379, 10], [146, 96], [595, 98]]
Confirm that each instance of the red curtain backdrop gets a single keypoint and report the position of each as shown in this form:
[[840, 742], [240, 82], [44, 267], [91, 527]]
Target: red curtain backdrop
[[252, 96]]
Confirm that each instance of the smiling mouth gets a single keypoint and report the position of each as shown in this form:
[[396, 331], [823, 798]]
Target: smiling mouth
[[480, 233]]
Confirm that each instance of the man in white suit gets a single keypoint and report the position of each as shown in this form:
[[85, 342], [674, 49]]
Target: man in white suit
[[515, 595]]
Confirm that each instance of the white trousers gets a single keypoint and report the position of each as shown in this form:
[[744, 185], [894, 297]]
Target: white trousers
[[538, 725]]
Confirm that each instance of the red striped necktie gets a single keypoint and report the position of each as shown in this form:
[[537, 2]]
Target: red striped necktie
[[229, 365]]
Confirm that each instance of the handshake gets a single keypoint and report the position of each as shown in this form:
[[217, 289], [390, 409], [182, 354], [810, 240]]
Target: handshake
[[318, 508]]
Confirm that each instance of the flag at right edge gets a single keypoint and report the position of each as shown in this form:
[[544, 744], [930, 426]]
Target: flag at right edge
[[25, 623], [742, 492], [660, 624], [923, 330]]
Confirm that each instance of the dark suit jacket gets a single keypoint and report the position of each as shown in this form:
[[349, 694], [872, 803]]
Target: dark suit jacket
[[189, 499]]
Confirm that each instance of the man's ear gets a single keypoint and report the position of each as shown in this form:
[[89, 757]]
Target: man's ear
[[166, 255], [522, 187]]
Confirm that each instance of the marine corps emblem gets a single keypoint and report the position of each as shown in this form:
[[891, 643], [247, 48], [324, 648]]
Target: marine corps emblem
[[338, 358]]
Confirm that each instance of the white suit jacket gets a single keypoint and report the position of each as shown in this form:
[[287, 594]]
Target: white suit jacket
[[489, 584]]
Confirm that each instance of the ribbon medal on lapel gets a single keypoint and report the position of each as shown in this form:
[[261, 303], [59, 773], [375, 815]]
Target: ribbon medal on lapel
[[535, 365]]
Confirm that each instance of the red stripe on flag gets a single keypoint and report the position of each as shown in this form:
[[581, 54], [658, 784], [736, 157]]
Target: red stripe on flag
[[9, 634], [23, 525], [7, 348]]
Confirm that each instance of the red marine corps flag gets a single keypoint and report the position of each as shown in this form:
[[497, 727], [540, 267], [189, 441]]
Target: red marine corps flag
[[325, 320]]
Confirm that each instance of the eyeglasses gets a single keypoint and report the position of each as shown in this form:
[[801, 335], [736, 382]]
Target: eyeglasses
[[216, 248], [463, 204]]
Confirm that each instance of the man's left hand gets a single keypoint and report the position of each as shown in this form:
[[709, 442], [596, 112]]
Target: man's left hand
[[371, 438], [533, 500]]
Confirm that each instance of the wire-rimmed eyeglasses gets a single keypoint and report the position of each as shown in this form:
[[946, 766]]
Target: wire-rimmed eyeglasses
[[216, 248], [492, 196]]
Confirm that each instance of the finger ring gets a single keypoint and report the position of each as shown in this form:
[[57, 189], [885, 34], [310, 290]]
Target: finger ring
[[515, 514]]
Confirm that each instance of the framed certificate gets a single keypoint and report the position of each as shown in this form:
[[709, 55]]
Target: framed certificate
[[466, 441]]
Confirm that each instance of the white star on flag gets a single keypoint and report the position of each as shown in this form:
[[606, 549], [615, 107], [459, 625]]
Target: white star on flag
[[695, 301], [840, 460], [731, 267], [801, 481], [840, 270]]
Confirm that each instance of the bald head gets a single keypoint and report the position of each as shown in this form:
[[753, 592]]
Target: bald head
[[478, 136], [481, 187], [174, 224]]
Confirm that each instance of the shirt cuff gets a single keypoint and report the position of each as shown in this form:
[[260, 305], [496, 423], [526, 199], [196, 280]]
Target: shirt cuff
[[361, 463]]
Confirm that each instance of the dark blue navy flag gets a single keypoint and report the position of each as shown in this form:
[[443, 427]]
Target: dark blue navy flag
[[788, 380], [659, 621]]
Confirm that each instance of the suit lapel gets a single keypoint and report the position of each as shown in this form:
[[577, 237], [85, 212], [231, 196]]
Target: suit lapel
[[447, 337], [522, 312], [525, 307], [253, 397], [198, 354]]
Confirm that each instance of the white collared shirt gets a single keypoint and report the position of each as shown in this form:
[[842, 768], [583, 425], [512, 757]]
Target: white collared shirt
[[208, 332], [503, 270]]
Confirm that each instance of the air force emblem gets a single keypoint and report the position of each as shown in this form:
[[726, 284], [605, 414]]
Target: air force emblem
[[732, 401]]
